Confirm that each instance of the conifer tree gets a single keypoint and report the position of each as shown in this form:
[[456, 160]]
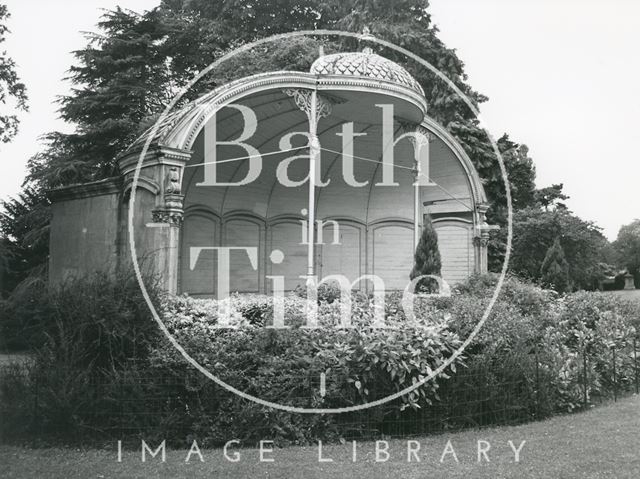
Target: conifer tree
[[555, 269], [427, 258]]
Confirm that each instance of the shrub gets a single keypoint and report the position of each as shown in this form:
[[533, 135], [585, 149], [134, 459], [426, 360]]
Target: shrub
[[327, 292], [527, 297], [529, 325], [596, 328], [85, 332], [284, 366], [426, 259], [22, 313], [251, 347], [103, 366], [98, 322]]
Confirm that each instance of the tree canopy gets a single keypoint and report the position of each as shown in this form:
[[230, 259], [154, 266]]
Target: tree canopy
[[551, 196], [627, 246], [534, 232], [11, 88], [130, 71]]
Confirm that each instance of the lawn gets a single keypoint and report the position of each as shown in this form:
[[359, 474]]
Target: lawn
[[603, 442], [633, 294]]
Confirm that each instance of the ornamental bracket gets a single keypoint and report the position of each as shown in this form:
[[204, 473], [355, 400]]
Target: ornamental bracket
[[302, 98]]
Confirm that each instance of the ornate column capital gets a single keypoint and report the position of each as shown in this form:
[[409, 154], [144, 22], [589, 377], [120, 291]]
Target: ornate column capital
[[171, 216], [482, 208], [481, 241], [418, 134]]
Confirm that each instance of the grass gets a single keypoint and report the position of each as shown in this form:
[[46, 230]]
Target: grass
[[633, 294], [600, 443]]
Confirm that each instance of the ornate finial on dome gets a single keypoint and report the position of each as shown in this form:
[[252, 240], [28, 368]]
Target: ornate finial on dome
[[320, 51], [366, 35]]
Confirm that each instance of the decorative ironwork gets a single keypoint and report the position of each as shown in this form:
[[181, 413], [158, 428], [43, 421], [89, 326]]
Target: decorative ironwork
[[302, 98], [419, 133]]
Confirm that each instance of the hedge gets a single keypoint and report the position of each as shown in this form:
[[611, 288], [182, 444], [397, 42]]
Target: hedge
[[102, 368]]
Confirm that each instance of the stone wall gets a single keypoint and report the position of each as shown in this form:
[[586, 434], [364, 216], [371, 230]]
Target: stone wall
[[84, 232]]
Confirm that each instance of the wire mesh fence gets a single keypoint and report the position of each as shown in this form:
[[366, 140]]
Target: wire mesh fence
[[72, 406]]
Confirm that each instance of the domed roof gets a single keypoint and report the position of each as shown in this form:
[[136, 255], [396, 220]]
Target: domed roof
[[366, 64]]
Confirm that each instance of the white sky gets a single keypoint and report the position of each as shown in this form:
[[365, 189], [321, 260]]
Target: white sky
[[563, 76]]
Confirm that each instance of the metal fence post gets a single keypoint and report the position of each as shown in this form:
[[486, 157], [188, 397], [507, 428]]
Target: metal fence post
[[535, 351], [36, 419], [635, 362], [615, 380], [584, 371]]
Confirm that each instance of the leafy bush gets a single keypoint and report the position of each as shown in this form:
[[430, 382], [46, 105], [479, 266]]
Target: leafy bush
[[85, 332], [102, 365], [598, 328], [21, 315], [571, 339], [284, 366], [327, 292], [97, 323]]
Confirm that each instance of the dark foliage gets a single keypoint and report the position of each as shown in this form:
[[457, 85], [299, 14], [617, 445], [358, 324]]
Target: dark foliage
[[95, 322], [627, 247], [24, 235], [536, 229], [11, 88], [426, 260], [554, 271]]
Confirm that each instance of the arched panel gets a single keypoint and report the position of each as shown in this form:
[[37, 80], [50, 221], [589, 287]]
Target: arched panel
[[199, 229], [392, 251], [397, 201], [456, 249], [245, 233], [346, 255], [286, 236]]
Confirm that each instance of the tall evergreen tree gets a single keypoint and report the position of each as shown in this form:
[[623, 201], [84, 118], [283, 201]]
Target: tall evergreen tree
[[555, 269], [24, 237], [427, 258]]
